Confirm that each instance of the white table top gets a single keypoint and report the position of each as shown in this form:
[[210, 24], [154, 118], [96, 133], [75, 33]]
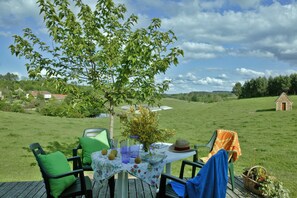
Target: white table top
[[172, 156], [104, 168]]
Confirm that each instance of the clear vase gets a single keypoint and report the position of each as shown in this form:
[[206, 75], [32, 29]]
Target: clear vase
[[146, 147]]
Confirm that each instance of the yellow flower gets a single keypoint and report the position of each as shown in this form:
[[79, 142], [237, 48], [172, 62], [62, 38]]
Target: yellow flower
[[144, 125]]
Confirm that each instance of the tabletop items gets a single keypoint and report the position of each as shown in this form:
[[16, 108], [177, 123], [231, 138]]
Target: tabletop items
[[148, 171], [180, 145]]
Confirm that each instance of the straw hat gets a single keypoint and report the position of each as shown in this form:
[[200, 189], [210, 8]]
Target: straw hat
[[180, 145]]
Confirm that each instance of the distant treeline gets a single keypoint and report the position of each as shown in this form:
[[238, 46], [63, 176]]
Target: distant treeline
[[260, 87], [206, 97], [81, 101], [11, 82]]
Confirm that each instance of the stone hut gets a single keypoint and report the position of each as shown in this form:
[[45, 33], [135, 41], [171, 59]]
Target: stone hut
[[283, 103]]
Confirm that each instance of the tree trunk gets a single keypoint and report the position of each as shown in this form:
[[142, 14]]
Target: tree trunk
[[111, 120]]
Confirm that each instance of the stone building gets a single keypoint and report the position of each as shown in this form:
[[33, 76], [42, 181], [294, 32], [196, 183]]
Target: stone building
[[283, 103]]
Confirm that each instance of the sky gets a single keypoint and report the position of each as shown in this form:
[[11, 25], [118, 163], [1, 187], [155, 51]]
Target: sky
[[224, 41]]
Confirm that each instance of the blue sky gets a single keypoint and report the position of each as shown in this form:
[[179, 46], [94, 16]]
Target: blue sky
[[224, 41]]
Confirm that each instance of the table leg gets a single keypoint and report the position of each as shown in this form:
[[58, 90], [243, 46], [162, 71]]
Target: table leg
[[168, 171], [168, 168], [122, 185]]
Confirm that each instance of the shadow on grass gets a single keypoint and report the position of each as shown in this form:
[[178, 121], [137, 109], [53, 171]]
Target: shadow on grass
[[65, 148], [264, 110]]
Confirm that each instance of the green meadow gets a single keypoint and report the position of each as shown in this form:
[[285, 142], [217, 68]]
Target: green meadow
[[267, 137]]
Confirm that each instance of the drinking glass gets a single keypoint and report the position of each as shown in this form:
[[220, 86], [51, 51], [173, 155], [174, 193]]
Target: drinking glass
[[125, 152]]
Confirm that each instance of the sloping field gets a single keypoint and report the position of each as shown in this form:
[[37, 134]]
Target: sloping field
[[267, 137]]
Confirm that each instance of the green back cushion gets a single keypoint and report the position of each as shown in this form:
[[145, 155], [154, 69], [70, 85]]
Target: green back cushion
[[90, 145], [102, 137], [55, 164]]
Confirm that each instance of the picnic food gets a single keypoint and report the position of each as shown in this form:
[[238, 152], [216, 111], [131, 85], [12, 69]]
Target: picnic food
[[104, 152], [115, 152], [137, 160], [111, 156]]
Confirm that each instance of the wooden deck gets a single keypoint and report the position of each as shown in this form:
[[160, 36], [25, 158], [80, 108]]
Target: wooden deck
[[137, 189]]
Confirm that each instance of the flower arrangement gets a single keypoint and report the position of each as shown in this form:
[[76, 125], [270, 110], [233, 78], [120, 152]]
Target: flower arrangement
[[260, 182], [143, 124]]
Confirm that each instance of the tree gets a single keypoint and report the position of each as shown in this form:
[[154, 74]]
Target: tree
[[102, 48], [293, 88], [261, 86], [237, 89]]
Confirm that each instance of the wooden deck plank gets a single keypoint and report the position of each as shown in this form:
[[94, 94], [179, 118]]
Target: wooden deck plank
[[6, 188], [139, 188], [18, 189], [132, 193], [136, 189], [32, 189], [101, 190]]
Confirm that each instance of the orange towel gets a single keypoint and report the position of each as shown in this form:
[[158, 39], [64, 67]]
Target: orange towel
[[227, 140]]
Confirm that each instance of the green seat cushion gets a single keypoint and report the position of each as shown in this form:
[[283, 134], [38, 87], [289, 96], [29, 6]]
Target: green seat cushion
[[102, 137], [90, 145], [55, 164]]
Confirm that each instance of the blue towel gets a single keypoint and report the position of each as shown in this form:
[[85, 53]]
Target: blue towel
[[212, 179], [210, 182], [178, 188]]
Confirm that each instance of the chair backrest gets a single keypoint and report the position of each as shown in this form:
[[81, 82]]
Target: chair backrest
[[228, 140], [212, 179], [212, 141], [37, 150], [92, 132]]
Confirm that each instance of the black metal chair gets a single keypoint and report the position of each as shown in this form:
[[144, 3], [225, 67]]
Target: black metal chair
[[165, 189], [92, 132], [213, 178], [82, 184]]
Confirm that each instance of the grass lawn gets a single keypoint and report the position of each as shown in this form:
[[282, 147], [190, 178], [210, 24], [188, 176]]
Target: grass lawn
[[267, 137]]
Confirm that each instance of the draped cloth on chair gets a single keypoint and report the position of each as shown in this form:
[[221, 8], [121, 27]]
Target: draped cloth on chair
[[227, 140], [211, 181]]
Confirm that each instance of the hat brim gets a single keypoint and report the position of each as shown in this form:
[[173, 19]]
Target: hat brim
[[171, 148]]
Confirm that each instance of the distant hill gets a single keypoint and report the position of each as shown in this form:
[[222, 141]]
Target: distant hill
[[203, 96]]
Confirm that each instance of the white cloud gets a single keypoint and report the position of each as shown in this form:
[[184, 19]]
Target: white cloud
[[223, 76], [209, 81], [246, 4], [13, 12], [200, 50], [5, 34], [191, 46], [249, 72], [191, 76], [264, 31]]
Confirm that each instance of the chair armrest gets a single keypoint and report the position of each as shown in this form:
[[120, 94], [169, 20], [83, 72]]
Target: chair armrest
[[76, 162], [171, 177], [74, 151], [74, 158], [164, 177], [196, 146], [230, 156], [74, 172], [200, 145], [194, 165]]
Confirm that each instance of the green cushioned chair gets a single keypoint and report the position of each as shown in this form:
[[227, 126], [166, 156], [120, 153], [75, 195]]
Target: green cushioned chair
[[102, 135], [59, 179]]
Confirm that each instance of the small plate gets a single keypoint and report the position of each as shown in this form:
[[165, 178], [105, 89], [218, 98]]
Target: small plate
[[154, 158]]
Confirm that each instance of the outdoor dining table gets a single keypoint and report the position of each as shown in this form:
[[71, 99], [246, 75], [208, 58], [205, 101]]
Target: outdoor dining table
[[146, 171]]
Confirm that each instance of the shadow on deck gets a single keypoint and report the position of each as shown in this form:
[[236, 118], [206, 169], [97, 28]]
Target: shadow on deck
[[137, 189]]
